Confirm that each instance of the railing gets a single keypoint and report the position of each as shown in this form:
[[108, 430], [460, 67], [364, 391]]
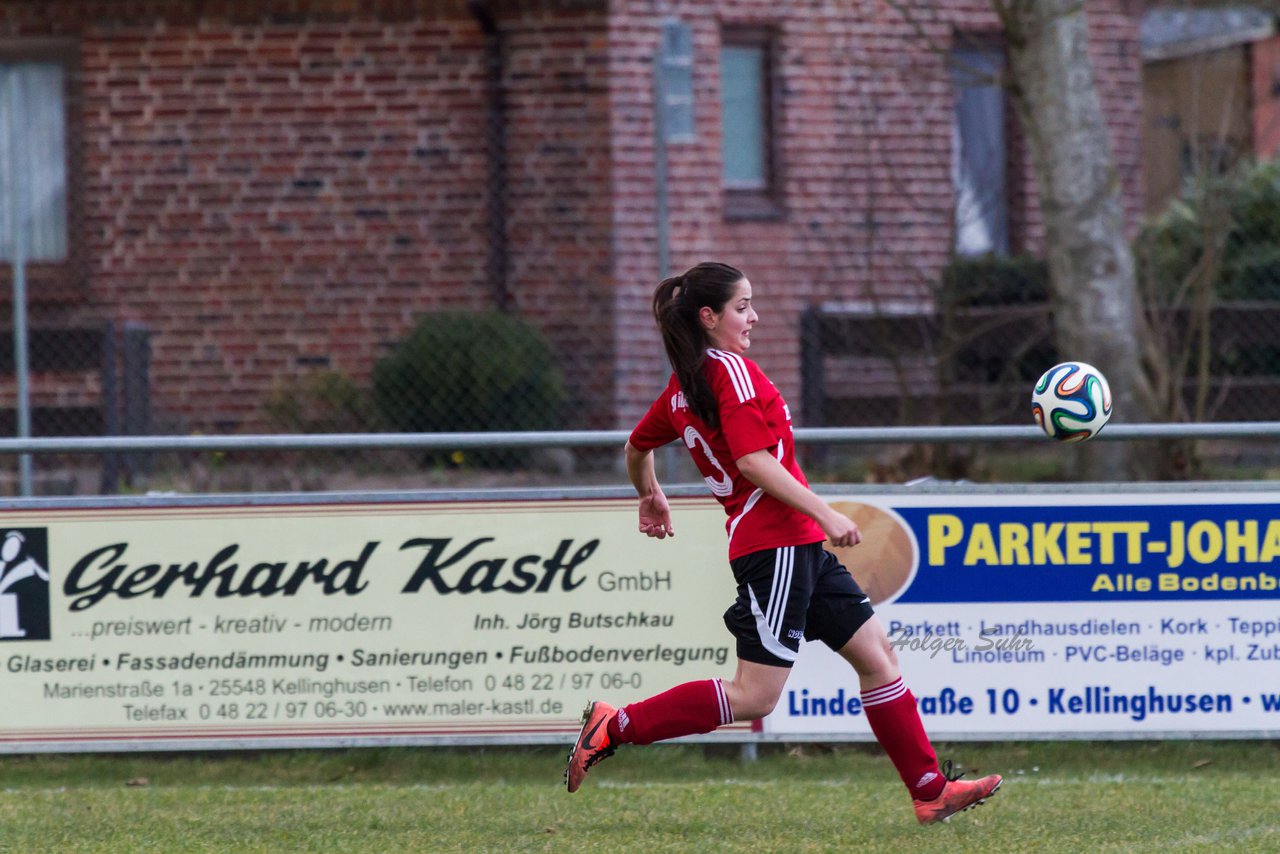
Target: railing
[[608, 438]]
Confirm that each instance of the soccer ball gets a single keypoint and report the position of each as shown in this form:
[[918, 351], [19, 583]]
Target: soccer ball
[[1071, 402]]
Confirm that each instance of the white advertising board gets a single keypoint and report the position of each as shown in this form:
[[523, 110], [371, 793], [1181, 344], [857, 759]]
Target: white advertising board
[[361, 621], [227, 626]]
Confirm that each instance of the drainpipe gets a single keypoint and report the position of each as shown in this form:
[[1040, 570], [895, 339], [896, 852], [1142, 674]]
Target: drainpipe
[[497, 266]]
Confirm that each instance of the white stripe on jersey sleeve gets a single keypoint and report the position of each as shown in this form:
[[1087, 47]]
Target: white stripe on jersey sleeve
[[738, 373]]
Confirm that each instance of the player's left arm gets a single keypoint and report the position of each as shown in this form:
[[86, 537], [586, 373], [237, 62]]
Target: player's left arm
[[763, 469]]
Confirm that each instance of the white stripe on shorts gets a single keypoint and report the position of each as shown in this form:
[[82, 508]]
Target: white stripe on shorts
[[784, 560], [767, 639]]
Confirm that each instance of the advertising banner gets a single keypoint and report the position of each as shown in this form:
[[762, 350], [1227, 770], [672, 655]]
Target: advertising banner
[[1037, 616], [128, 627], [197, 625]]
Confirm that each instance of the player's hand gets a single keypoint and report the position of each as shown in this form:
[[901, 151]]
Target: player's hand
[[655, 516], [841, 531]]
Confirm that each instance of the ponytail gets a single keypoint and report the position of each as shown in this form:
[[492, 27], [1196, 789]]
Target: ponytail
[[676, 304]]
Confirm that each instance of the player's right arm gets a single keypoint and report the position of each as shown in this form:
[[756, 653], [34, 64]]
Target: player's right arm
[[763, 469], [737, 382], [654, 430], [655, 512]]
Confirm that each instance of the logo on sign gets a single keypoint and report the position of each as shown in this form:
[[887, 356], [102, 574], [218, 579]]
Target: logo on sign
[[24, 584]]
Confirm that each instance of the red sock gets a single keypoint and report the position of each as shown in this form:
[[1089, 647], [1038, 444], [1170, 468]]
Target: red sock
[[693, 707], [895, 720]]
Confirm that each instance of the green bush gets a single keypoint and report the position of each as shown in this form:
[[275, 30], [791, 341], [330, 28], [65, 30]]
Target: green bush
[[1251, 258], [983, 348], [459, 372], [321, 402], [995, 280], [1239, 212]]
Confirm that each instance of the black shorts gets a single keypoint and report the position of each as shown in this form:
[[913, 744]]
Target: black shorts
[[788, 593]]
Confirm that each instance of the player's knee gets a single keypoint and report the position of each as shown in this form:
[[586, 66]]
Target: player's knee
[[891, 654], [766, 705], [755, 710], [752, 705], [874, 662], [872, 657], [880, 656]]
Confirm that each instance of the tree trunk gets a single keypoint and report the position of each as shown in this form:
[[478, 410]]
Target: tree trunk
[[1097, 311]]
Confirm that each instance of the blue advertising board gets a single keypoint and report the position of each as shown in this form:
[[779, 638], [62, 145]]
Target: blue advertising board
[[1109, 614]]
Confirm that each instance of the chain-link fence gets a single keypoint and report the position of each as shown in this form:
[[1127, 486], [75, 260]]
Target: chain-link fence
[[82, 381], [453, 372], [362, 222], [455, 270], [975, 355], [972, 356], [1208, 271]]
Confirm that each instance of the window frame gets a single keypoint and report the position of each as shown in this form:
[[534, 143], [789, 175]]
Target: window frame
[[51, 282], [757, 203]]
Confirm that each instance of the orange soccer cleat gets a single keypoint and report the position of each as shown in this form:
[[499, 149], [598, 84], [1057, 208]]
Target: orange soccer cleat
[[592, 745], [958, 795]]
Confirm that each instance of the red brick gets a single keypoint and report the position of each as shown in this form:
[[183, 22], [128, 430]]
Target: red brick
[[308, 176]]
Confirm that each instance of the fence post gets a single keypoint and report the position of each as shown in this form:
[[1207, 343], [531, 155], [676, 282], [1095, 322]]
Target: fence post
[[812, 378], [811, 368], [110, 408], [136, 367]]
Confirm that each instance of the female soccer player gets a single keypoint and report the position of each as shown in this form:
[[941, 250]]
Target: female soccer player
[[738, 429]]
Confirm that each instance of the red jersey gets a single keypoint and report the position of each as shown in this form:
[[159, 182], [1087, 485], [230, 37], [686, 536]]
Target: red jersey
[[753, 416]]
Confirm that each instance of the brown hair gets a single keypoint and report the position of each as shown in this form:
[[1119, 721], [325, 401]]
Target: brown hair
[[676, 304]]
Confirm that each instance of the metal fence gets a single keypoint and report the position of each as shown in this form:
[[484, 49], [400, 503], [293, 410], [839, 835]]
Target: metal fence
[[303, 463], [955, 346], [1208, 276], [860, 369]]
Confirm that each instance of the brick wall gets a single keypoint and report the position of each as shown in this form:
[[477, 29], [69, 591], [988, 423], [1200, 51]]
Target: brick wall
[[866, 152], [274, 194], [283, 186], [559, 187]]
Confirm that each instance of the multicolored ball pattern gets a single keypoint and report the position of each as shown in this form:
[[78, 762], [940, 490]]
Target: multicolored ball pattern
[[1071, 402]]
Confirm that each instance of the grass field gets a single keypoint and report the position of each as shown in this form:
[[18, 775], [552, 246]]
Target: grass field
[[1105, 797]]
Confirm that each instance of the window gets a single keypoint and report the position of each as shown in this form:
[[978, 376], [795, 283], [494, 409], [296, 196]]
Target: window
[[31, 96], [37, 108], [749, 170], [979, 151]]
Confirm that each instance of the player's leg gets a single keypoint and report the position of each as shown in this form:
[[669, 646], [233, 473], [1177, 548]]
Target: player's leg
[[755, 689], [891, 710], [690, 708], [768, 621], [871, 655], [841, 617], [888, 704]]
